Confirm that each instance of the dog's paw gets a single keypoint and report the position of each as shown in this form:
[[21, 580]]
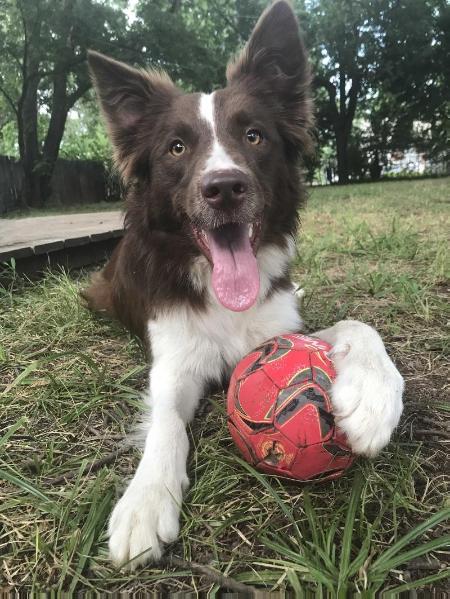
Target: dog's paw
[[145, 517], [367, 393]]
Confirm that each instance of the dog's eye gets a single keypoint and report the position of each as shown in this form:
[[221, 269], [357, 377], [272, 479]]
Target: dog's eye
[[177, 148], [254, 137]]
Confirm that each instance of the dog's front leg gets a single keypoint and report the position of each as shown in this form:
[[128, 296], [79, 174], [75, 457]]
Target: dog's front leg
[[147, 515], [367, 393]]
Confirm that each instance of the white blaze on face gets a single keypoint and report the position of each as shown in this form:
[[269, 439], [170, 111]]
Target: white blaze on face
[[218, 159], [235, 276]]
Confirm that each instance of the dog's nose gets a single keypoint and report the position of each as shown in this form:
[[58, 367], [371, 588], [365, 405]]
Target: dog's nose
[[224, 189]]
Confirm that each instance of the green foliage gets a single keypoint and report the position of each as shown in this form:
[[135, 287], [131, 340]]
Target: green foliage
[[381, 68], [85, 135]]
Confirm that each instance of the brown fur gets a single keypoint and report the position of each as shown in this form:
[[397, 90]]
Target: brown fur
[[268, 87]]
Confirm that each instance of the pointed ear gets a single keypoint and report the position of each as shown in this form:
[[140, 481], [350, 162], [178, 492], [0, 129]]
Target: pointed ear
[[274, 65], [131, 101]]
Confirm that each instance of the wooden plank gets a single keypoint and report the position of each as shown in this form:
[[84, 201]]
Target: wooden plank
[[71, 240]]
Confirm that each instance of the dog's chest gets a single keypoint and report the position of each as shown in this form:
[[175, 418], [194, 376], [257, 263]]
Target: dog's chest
[[209, 343]]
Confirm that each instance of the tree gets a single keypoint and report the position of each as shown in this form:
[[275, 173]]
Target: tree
[[42, 63], [338, 35], [386, 62], [193, 41], [412, 101]]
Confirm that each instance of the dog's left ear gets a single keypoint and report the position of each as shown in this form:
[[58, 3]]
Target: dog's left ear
[[274, 65]]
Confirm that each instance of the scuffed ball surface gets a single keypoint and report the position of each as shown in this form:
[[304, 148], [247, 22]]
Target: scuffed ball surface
[[280, 413]]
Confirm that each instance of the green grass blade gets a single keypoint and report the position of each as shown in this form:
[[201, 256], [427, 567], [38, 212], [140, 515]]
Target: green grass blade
[[313, 568], [346, 548], [418, 530], [295, 584], [94, 522], [420, 582], [363, 554], [316, 549], [312, 519], [12, 429], [265, 482], [21, 377], [45, 504], [416, 552]]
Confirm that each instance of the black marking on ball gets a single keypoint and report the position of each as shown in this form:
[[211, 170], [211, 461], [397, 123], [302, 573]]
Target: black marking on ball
[[284, 343], [257, 426], [302, 377], [336, 450], [307, 396], [321, 378], [278, 353]]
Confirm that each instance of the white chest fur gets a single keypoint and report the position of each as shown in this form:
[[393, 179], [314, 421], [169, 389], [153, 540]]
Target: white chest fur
[[208, 343]]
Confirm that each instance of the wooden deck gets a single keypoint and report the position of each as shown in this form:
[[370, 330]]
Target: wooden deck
[[70, 240]]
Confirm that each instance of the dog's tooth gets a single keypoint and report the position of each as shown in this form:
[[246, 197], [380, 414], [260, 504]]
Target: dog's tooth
[[250, 230]]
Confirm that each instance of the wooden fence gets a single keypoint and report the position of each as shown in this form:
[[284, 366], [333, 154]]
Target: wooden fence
[[73, 182]]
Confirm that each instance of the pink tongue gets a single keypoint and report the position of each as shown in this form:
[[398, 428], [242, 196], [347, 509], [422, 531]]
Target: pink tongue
[[235, 276]]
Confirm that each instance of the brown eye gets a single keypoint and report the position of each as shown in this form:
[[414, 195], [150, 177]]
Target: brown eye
[[254, 137], [177, 148]]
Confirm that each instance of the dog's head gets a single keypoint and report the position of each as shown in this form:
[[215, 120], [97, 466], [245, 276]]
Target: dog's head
[[220, 167]]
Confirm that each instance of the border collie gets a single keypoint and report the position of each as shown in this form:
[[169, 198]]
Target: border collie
[[202, 272]]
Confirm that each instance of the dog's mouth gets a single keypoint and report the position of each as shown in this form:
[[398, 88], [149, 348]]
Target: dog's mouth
[[231, 249]]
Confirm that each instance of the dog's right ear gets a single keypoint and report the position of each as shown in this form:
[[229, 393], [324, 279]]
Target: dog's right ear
[[131, 102]]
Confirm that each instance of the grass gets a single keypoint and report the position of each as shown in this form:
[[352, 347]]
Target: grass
[[69, 391]]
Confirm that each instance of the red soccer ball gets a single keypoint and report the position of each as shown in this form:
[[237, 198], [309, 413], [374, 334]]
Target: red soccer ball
[[279, 410]]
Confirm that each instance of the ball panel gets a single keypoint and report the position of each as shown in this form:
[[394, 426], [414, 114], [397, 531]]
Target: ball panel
[[256, 397], [305, 416], [283, 372], [312, 344], [315, 461], [249, 364], [322, 369], [249, 427], [303, 428], [232, 394], [241, 443], [340, 438]]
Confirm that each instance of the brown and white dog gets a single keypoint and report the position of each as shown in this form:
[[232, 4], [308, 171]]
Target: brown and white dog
[[202, 273]]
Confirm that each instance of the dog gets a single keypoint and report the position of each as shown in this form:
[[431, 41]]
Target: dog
[[202, 272]]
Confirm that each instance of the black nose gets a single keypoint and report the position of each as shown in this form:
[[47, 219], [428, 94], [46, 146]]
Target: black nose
[[224, 189]]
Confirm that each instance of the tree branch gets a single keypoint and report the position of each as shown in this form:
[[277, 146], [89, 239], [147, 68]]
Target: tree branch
[[9, 100], [77, 94], [213, 575], [62, 67], [320, 81]]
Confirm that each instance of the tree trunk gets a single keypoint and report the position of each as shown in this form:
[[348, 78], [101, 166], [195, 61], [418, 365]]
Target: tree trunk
[[27, 117], [375, 167], [342, 138], [55, 131], [31, 193]]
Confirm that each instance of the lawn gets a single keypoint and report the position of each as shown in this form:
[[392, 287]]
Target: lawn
[[69, 392]]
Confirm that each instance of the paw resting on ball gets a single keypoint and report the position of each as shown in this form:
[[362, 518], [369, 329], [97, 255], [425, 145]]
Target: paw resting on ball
[[367, 393]]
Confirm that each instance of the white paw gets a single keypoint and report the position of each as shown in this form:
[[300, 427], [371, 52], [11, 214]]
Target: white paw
[[367, 393], [145, 517]]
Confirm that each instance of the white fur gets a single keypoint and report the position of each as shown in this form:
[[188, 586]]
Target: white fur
[[218, 158], [189, 348], [367, 394], [193, 347]]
